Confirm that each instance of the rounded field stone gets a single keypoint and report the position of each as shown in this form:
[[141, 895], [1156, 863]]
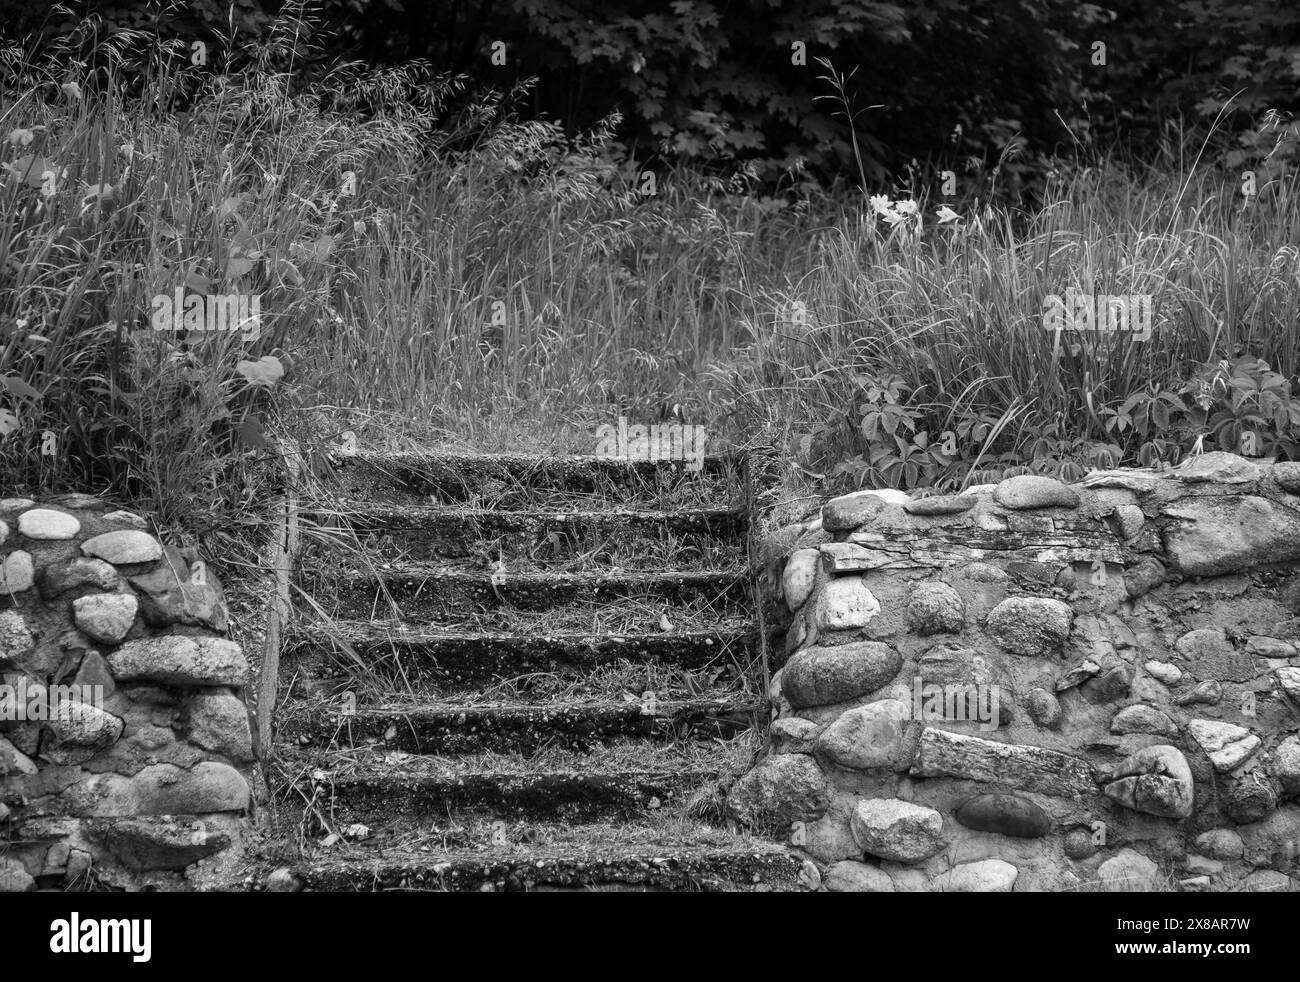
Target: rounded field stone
[[17, 573], [1005, 814], [1034, 626], [942, 504], [1079, 844], [822, 676], [897, 830], [1034, 491], [45, 523], [123, 547]]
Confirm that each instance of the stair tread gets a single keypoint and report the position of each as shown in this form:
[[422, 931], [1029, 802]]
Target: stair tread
[[420, 515], [396, 631]]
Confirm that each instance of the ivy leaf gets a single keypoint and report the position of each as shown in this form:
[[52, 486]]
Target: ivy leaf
[[17, 387], [266, 371]]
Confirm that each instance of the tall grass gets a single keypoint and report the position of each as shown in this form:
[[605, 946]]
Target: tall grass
[[498, 283]]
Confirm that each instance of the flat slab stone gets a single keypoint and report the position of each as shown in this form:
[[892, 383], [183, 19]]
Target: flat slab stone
[[1025, 768], [942, 504], [1220, 535], [1035, 491]]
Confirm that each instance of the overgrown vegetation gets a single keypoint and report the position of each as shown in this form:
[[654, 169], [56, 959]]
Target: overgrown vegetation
[[432, 270]]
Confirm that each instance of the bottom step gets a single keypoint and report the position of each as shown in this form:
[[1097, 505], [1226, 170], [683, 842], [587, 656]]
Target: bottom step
[[747, 867]]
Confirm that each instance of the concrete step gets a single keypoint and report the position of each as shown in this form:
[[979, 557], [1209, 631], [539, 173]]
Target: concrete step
[[678, 867], [570, 795], [632, 538], [507, 481], [424, 592], [451, 728], [431, 656]]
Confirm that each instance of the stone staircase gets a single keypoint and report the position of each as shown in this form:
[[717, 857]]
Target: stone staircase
[[521, 673]]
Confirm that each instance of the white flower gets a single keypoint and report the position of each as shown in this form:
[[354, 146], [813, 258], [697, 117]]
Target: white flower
[[71, 89], [880, 202], [947, 215], [907, 207], [894, 217]]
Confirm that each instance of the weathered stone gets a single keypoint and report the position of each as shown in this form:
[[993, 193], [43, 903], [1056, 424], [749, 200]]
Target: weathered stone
[[1143, 719], [985, 876], [849, 557], [942, 504], [158, 843], [783, 789], [13, 760], [16, 572], [848, 876], [1267, 881], [935, 608], [944, 754], [161, 789], [123, 547], [897, 830], [1144, 577], [870, 736], [1130, 520], [218, 721], [1207, 693], [851, 510], [1267, 647], [16, 638], [1129, 871], [45, 523], [1212, 656], [79, 864], [1079, 844], [1005, 814], [1221, 844], [1034, 491], [1076, 676], [1155, 780], [14, 877], [794, 733], [1249, 798], [105, 617], [1286, 765], [1287, 475], [799, 576], [844, 602], [1289, 679], [170, 595], [178, 660], [94, 671], [822, 676], [1035, 626], [1220, 535], [82, 726], [13, 504], [1111, 685], [1043, 708], [1164, 672], [1217, 467], [1226, 744], [73, 574]]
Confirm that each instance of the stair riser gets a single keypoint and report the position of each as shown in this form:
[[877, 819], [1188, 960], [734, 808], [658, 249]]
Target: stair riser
[[447, 664], [519, 732], [540, 797], [778, 872], [512, 483], [633, 548], [430, 599]]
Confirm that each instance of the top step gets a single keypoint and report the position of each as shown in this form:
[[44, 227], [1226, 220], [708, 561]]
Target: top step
[[520, 480]]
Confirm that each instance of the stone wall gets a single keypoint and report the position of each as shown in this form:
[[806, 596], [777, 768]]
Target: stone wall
[[135, 773], [1035, 686]]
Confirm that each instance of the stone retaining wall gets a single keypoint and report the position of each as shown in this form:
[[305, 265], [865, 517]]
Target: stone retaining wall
[[1035, 686], [135, 773]]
